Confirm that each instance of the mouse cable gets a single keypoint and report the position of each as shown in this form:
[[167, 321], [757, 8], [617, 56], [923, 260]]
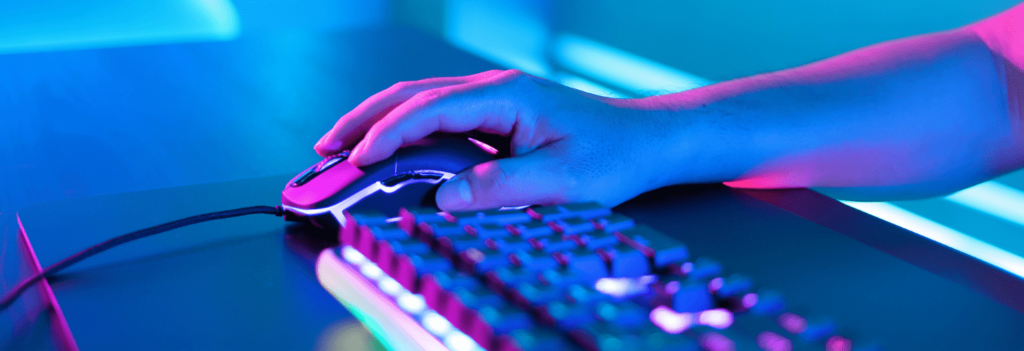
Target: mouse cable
[[139, 234]]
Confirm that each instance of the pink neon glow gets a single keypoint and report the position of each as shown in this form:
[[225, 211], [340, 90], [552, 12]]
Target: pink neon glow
[[712, 341], [58, 322], [483, 146], [792, 323], [838, 343], [749, 300], [716, 284], [718, 318], [670, 321], [770, 341]]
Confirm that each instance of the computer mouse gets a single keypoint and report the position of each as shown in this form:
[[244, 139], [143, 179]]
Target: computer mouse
[[409, 178]]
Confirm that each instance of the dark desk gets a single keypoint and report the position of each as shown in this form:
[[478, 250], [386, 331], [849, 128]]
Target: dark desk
[[248, 282]]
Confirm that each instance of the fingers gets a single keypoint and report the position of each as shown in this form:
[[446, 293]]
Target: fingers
[[484, 105], [354, 124], [534, 178]]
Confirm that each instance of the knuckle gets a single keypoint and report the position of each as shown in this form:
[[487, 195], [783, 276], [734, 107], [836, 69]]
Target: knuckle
[[427, 96], [400, 86]]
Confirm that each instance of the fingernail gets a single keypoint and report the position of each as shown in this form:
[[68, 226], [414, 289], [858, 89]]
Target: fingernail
[[455, 194]]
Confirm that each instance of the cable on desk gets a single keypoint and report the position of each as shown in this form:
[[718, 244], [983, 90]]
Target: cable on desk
[[139, 234]]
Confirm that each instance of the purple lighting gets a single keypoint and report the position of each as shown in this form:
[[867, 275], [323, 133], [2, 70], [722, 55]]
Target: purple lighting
[[838, 343], [670, 321], [718, 318], [712, 341], [749, 300], [792, 323], [770, 341], [716, 284]]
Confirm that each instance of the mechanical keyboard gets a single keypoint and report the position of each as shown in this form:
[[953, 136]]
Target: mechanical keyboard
[[569, 277]]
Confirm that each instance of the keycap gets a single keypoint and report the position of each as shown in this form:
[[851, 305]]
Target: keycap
[[506, 318], [625, 261], [510, 276], [704, 268], [412, 215], [409, 267], [538, 294], [548, 213], [818, 330], [624, 314], [735, 285], [692, 296], [553, 243], [598, 239], [603, 336], [573, 225], [494, 216], [441, 229], [661, 249], [512, 243], [587, 262], [536, 338], [484, 260], [532, 229], [490, 230], [586, 295], [534, 260], [563, 276], [769, 303], [613, 223], [567, 315], [408, 246]]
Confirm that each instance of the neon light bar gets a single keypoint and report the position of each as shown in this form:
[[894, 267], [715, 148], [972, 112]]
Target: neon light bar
[[629, 71], [993, 198], [943, 235]]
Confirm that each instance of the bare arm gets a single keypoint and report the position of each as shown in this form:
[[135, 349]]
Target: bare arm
[[908, 118], [914, 117]]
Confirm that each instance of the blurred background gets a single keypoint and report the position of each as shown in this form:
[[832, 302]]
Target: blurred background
[[109, 96]]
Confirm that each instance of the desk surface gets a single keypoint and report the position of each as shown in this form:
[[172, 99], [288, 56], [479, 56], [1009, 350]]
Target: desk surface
[[248, 282]]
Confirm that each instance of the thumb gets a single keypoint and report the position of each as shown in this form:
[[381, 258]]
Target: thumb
[[531, 179]]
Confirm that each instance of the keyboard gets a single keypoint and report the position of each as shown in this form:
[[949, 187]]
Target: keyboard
[[569, 277]]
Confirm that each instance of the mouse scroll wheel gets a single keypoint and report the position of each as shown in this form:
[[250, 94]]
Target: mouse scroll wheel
[[331, 161], [320, 167]]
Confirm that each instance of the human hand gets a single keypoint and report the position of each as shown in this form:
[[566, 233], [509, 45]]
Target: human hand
[[566, 145]]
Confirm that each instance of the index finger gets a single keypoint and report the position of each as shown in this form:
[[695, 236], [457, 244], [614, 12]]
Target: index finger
[[486, 105]]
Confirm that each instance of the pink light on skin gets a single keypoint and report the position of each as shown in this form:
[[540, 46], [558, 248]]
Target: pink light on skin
[[792, 323], [838, 343], [670, 321], [749, 300], [718, 318], [712, 341], [483, 146], [770, 341]]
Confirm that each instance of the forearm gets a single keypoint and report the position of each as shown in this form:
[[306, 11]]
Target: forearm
[[915, 117]]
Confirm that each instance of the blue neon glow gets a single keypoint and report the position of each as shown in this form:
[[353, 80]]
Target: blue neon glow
[[579, 83], [993, 198], [509, 34], [623, 69], [943, 235], [47, 25]]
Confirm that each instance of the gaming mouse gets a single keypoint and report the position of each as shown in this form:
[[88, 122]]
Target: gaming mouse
[[409, 178]]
